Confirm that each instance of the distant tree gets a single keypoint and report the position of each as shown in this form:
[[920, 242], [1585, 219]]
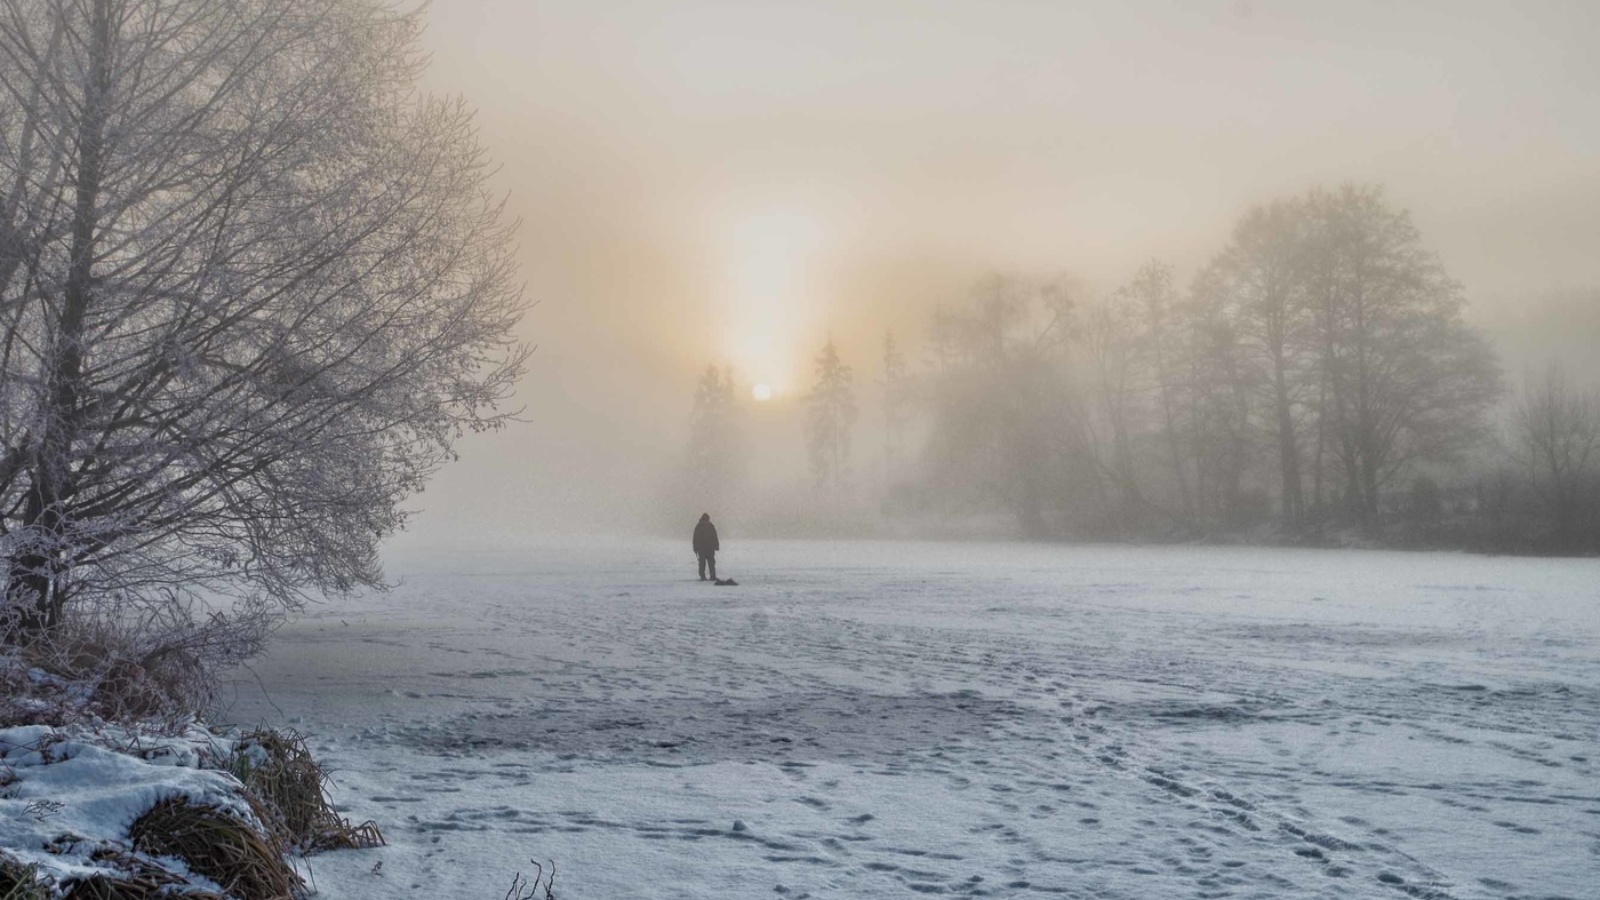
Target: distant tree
[[1111, 347], [896, 400], [1262, 276], [252, 288], [1004, 432], [1424, 506], [1556, 435], [1221, 393], [1406, 379], [830, 416], [1153, 300], [716, 464], [946, 341]]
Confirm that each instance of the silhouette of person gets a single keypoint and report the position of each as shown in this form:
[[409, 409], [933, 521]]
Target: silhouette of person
[[706, 546]]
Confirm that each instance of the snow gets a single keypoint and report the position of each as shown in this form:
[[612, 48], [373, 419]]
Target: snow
[[910, 719], [66, 792]]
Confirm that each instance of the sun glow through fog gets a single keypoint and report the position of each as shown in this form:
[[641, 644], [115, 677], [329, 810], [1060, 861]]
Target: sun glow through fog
[[762, 393], [769, 303]]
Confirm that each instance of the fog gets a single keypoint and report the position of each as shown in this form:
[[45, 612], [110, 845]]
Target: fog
[[730, 184]]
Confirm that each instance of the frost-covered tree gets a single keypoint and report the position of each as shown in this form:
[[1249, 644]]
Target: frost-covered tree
[[252, 288]]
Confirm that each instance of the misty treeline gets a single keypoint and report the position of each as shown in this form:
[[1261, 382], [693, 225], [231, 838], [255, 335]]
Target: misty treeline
[[1314, 382], [252, 287]]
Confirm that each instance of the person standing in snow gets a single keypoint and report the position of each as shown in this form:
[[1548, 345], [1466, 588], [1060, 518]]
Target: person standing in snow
[[706, 546]]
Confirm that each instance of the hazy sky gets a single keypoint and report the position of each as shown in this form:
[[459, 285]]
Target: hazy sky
[[729, 182]]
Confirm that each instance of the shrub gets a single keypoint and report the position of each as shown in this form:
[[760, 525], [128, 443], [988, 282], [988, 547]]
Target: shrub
[[277, 768]]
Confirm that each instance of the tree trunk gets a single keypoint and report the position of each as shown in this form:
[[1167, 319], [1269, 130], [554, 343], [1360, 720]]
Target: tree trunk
[[1288, 449], [36, 590], [1169, 418], [1319, 465]]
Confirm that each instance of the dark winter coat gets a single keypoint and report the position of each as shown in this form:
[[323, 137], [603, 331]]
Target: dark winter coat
[[705, 537]]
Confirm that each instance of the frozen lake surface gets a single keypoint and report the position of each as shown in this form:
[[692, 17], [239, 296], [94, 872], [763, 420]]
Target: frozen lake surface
[[925, 719]]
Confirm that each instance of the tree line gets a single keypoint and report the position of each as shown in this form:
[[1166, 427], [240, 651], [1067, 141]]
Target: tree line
[[1314, 382]]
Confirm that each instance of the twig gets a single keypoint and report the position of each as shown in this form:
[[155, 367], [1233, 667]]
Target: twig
[[523, 889]]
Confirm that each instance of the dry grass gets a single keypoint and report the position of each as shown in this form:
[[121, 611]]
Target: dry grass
[[220, 846], [79, 675], [278, 771], [20, 882], [523, 889], [137, 879], [286, 791], [282, 782]]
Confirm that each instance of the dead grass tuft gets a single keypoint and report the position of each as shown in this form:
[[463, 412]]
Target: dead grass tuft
[[277, 768], [220, 846], [21, 882]]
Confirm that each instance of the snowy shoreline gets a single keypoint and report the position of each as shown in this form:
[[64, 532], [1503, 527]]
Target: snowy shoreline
[[69, 796]]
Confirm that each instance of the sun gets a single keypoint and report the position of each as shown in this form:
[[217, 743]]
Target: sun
[[762, 393]]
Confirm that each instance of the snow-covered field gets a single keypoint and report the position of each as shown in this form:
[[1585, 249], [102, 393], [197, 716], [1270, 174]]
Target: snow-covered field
[[902, 719]]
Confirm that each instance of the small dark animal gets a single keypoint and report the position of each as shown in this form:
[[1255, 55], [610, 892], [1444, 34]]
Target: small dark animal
[[726, 582]]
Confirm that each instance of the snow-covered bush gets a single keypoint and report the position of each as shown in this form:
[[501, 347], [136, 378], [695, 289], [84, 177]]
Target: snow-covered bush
[[120, 811]]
